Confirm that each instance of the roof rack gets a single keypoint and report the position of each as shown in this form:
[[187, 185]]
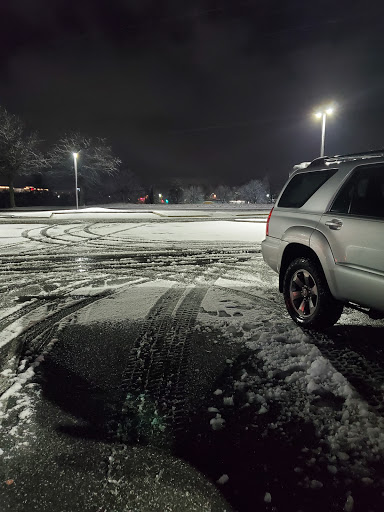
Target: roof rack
[[371, 153], [322, 160]]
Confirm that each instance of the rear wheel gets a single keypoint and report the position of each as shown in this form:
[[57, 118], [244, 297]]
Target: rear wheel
[[307, 296]]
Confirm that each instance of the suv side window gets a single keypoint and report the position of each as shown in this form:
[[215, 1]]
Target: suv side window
[[303, 186], [363, 194]]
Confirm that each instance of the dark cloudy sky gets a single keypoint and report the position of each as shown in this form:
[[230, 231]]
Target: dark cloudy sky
[[219, 91]]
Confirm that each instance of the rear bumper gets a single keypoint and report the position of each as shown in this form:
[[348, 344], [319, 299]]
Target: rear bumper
[[270, 248]]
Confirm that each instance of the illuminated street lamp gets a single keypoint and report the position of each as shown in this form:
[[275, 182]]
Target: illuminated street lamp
[[322, 114], [75, 155]]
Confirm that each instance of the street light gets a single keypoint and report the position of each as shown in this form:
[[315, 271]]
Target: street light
[[322, 114], [75, 155]]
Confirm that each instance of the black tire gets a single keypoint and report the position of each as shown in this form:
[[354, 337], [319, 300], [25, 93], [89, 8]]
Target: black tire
[[307, 296]]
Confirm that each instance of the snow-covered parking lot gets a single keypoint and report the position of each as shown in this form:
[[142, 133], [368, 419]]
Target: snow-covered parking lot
[[148, 364]]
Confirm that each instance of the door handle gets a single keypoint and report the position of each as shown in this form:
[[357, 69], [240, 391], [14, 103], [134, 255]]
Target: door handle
[[334, 224]]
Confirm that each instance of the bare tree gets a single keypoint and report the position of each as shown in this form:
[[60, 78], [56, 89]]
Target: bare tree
[[19, 153], [125, 188], [95, 159], [194, 194], [131, 188], [254, 192], [224, 193], [176, 192]]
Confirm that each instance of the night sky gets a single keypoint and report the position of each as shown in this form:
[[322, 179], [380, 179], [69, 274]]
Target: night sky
[[206, 91]]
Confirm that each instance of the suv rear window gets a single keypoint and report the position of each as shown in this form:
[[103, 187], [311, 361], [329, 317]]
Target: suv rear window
[[303, 186]]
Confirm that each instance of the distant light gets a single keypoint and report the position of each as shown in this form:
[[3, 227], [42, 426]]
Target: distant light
[[160, 195], [75, 155], [318, 114], [329, 111]]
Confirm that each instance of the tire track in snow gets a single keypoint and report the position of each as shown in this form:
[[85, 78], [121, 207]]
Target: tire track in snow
[[93, 239], [35, 338], [15, 315], [42, 235], [155, 378], [61, 263], [360, 364], [278, 310], [46, 235]]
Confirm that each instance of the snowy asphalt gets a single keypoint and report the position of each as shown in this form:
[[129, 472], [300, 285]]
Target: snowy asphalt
[[152, 367]]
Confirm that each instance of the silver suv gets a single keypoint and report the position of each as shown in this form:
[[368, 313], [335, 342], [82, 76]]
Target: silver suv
[[325, 238]]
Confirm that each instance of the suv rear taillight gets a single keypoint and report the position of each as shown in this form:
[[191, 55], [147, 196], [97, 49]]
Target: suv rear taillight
[[269, 218]]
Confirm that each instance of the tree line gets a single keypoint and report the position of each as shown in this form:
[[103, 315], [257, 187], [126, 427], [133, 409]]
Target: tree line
[[21, 155], [255, 191]]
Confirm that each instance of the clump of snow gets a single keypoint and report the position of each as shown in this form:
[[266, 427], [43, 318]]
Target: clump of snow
[[7, 372], [321, 375], [267, 497], [223, 479], [315, 484], [348, 507], [26, 413], [302, 382], [217, 423]]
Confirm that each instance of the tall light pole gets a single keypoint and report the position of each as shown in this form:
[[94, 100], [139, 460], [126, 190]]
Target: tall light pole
[[322, 114], [75, 155]]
